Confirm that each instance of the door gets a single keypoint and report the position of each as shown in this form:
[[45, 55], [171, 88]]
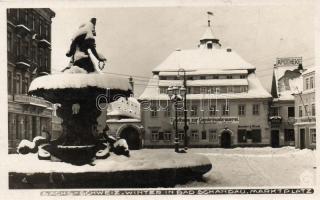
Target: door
[[131, 135], [302, 138], [275, 138], [225, 139]]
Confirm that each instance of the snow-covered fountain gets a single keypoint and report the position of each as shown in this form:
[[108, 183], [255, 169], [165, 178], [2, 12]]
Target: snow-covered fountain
[[81, 159]]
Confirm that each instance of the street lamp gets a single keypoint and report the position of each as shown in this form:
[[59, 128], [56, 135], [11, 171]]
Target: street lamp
[[183, 91], [174, 96]]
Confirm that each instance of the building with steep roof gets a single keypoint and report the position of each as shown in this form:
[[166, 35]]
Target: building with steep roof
[[226, 103], [286, 81]]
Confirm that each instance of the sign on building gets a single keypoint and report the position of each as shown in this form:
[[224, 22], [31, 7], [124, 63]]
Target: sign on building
[[207, 120], [289, 61]]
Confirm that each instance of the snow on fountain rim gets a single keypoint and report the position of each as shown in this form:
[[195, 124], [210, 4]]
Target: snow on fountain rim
[[79, 80], [139, 160]]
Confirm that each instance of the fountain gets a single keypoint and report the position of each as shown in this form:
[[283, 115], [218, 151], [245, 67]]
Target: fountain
[[83, 160]]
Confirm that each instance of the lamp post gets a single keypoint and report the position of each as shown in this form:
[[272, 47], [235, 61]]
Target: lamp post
[[175, 97], [183, 91]]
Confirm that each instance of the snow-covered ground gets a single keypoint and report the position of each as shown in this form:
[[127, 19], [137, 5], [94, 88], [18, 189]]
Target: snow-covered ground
[[255, 167]]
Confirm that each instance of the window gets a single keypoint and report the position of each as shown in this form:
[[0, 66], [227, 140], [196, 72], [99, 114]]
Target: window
[[225, 109], [256, 135], [212, 134], [194, 110], [154, 135], [290, 111], [153, 111], [313, 110], [215, 77], [275, 111], [25, 86], [300, 111], [209, 45], [242, 76], [190, 77], [18, 46], [9, 42], [212, 110], [33, 23], [203, 135], [242, 135], [241, 110], [203, 90], [229, 76], [163, 90], [311, 82], [167, 112], [202, 77], [306, 109], [288, 135], [229, 89], [167, 136], [9, 82], [160, 135], [194, 135], [196, 90], [313, 135], [18, 84], [255, 109], [307, 83]]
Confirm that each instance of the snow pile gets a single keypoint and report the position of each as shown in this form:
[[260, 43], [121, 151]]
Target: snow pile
[[25, 146], [145, 159], [61, 81], [74, 70], [123, 120], [196, 59]]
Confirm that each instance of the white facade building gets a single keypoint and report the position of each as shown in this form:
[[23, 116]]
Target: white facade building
[[226, 103]]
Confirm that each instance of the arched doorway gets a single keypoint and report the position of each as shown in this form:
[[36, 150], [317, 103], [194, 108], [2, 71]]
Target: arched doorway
[[132, 136], [225, 139]]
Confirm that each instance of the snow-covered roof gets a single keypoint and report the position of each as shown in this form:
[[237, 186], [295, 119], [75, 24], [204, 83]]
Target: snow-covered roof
[[309, 70], [205, 72], [123, 120], [80, 80], [206, 82], [255, 90], [125, 107], [203, 59], [295, 84]]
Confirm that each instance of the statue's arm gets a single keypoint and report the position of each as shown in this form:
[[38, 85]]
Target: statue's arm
[[92, 47]]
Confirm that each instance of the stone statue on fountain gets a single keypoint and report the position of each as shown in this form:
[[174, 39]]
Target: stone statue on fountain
[[76, 90], [82, 41]]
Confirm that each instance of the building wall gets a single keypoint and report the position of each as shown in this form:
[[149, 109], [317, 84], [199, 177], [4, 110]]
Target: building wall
[[29, 55], [305, 120], [161, 124]]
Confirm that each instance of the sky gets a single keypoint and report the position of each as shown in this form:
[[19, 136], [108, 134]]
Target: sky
[[137, 39]]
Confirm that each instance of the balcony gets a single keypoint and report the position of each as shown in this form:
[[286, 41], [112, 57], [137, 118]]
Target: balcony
[[275, 120], [23, 62], [34, 101], [22, 29], [43, 41]]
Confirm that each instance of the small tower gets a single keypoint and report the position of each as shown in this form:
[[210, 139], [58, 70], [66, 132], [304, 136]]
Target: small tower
[[208, 41]]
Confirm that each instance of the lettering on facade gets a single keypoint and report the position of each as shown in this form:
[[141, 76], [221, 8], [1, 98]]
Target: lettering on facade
[[289, 61], [207, 120]]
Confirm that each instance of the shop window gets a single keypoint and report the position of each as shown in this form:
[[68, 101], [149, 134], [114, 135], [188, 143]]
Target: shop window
[[313, 135], [242, 136], [290, 111], [167, 136], [154, 135], [203, 135], [256, 135], [194, 135], [288, 135]]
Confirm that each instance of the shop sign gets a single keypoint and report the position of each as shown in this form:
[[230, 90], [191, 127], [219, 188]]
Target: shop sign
[[207, 120]]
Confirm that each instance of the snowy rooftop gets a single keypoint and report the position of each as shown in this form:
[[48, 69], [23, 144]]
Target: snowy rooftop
[[255, 90], [79, 80], [203, 59], [208, 34], [309, 70], [123, 120], [205, 72], [129, 107]]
